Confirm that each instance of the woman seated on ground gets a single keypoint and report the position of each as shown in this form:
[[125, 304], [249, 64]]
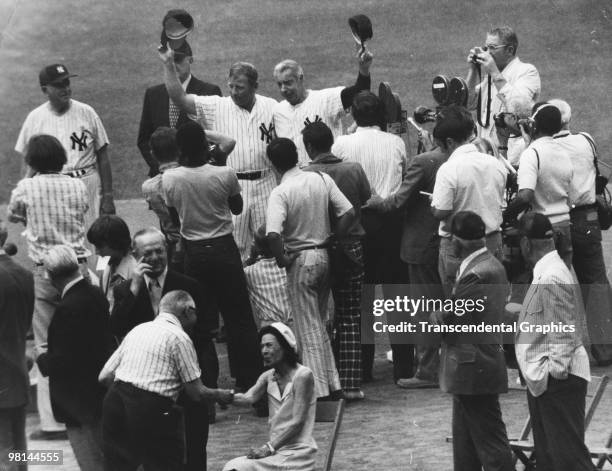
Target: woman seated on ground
[[292, 401]]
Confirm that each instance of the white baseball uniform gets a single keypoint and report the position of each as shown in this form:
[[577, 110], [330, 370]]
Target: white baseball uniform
[[252, 132], [82, 134], [320, 105]]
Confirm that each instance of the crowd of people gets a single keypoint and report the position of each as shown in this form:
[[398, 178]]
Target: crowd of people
[[274, 216]]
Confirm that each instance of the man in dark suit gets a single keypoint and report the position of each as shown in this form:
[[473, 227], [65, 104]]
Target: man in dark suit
[[16, 308], [79, 343], [473, 367], [419, 248], [158, 110], [137, 301]]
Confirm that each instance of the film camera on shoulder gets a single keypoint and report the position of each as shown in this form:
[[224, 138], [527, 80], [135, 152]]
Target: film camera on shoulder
[[445, 92]]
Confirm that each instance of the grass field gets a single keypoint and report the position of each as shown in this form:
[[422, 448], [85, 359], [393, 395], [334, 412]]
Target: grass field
[[111, 45]]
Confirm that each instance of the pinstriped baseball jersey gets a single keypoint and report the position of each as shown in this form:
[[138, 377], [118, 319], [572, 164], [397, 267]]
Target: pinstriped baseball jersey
[[251, 130], [320, 105], [381, 154], [79, 129]]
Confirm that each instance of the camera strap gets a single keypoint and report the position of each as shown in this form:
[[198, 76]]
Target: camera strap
[[594, 149], [488, 117]]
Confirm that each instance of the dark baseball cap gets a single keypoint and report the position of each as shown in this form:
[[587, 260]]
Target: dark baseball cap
[[535, 226], [177, 24], [54, 73], [467, 225]]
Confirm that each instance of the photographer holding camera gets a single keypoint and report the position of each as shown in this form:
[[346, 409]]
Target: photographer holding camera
[[507, 124], [545, 176], [587, 258], [495, 76]]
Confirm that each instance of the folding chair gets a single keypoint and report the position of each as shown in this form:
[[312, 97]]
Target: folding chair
[[602, 454], [523, 446], [330, 411]]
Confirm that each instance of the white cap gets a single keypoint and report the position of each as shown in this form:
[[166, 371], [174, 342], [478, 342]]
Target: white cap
[[286, 333]]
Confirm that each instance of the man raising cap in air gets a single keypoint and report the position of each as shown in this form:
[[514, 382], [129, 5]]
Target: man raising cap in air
[[159, 110], [80, 131], [303, 106], [246, 117]]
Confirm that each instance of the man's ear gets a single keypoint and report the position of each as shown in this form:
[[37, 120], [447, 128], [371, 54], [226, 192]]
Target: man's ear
[[44, 89]]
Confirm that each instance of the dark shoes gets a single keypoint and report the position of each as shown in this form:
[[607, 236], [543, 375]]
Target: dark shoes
[[416, 383], [47, 436]]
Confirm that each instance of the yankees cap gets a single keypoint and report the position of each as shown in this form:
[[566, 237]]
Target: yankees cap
[[54, 73]]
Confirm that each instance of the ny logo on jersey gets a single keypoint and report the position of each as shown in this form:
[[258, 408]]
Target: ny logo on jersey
[[267, 133], [307, 120], [80, 141]]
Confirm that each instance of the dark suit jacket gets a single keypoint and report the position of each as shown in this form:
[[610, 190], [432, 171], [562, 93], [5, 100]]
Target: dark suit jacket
[[16, 308], [130, 311], [474, 363], [420, 240], [79, 343], [155, 114]]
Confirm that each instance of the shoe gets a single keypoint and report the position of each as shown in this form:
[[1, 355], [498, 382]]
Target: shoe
[[416, 383], [47, 436], [356, 395]]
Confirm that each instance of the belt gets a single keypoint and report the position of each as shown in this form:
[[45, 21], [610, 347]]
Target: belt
[[80, 260], [309, 247], [585, 207], [254, 175], [81, 172]]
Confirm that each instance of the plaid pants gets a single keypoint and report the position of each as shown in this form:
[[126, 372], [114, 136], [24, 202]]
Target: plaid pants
[[346, 288]]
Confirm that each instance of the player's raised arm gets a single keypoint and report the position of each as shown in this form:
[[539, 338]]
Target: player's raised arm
[[175, 90]]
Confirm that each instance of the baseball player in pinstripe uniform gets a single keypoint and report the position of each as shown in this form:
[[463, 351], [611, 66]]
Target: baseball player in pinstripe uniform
[[79, 128], [246, 117], [303, 106]]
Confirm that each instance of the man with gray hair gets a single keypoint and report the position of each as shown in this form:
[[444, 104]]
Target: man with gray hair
[[246, 117], [79, 343], [511, 142], [495, 75], [155, 361], [303, 106], [587, 258]]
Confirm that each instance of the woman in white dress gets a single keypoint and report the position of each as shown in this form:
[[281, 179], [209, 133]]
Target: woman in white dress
[[292, 402]]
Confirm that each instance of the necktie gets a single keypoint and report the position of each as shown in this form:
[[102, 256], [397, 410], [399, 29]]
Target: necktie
[[174, 114], [154, 295]]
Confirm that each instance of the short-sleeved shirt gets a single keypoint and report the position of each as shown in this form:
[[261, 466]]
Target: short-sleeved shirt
[[79, 129], [157, 356], [252, 130], [546, 168], [53, 208], [298, 208], [581, 154], [320, 105], [381, 154], [152, 191], [267, 285], [470, 181], [200, 196]]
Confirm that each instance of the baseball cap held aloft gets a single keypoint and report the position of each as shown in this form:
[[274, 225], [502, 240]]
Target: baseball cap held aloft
[[54, 73], [535, 226], [177, 24]]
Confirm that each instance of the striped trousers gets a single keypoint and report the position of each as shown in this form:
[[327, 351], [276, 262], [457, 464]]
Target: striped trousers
[[255, 194], [308, 285], [347, 282]]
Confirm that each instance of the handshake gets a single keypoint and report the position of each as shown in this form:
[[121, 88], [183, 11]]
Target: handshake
[[224, 396]]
